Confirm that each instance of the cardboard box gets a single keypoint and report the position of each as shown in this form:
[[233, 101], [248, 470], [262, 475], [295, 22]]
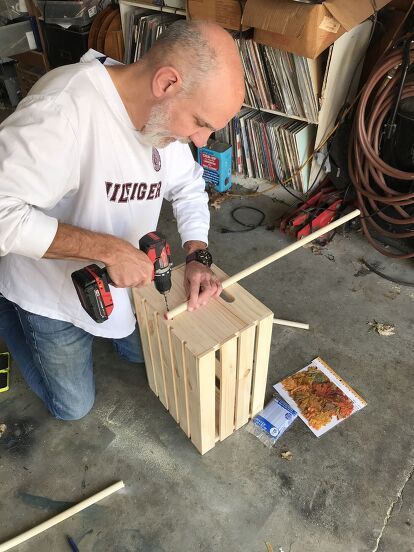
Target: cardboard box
[[305, 29], [225, 12]]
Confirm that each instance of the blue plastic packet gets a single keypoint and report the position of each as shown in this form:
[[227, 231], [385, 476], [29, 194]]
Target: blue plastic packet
[[270, 424]]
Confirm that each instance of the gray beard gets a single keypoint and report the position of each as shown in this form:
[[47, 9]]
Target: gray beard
[[154, 132]]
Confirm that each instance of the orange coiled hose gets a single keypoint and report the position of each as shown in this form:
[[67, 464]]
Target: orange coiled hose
[[366, 167]]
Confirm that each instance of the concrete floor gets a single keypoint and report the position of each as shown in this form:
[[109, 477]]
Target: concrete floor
[[349, 491]]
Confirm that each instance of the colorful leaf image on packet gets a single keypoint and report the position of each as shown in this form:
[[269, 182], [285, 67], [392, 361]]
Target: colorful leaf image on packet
[[318, 399]]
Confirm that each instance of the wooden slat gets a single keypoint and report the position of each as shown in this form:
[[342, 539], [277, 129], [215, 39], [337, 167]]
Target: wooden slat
[[154, 344], [201, 399], [245, 355], [245, 306], [261, 364], [168, 368], [207, 328], [217, 410], [228, 369], [143, 331], [180, 376]]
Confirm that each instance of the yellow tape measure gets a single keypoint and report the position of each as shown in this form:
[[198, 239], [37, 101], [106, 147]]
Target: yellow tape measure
[[4, 372]]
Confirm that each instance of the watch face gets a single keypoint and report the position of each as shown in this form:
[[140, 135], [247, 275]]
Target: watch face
[[204, 256]]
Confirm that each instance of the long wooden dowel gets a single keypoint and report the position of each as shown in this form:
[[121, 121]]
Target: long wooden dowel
[[61, 517], [274, 257]]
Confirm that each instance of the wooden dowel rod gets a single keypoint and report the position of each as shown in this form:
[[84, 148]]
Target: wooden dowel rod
[[274, 257], [299, 325], [61, 517]]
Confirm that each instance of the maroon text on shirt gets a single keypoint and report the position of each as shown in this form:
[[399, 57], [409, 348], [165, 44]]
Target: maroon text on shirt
[[132, 191]]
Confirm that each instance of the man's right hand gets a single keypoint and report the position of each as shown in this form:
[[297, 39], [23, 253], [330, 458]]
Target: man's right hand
[[127, 266], [131, 269]]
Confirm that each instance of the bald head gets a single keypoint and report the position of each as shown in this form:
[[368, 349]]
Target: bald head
[[202, 52]]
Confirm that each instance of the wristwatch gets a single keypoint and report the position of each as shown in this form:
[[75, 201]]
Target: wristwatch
[[202, 256]]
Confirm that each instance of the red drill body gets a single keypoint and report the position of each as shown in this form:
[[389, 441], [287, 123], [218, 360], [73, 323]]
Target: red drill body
[[92, 282]]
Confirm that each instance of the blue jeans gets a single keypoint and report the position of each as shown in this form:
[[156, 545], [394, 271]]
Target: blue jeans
[[55, 358]]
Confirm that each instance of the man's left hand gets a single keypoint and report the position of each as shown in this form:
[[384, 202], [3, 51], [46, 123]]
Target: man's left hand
[[201, 285]]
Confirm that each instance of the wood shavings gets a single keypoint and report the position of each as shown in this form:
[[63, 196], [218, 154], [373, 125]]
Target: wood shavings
[[382, 328], [287, 455]]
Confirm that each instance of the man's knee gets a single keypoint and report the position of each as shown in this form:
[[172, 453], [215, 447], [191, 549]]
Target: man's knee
[[73, 411], [130, 348]]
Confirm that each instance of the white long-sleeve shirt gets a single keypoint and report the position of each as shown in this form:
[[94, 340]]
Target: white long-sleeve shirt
[[70, 153]]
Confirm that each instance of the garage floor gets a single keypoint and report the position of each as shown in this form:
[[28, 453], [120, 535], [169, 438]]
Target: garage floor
[[349, 491]]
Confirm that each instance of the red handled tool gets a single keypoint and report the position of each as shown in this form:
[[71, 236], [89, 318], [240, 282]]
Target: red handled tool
[[92, 282], [318, 211]]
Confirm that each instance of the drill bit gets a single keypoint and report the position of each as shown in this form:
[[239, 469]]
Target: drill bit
[[166, 302]]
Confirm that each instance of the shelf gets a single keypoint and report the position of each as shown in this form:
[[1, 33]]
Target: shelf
[[166, 9], [273, 112]]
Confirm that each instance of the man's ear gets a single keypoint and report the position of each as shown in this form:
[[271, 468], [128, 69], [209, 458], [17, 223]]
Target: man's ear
[[166, 82]]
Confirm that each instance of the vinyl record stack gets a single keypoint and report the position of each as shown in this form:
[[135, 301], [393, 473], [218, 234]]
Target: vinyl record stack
[[275, 133], [142, 30], [278, 80], [270, 146]]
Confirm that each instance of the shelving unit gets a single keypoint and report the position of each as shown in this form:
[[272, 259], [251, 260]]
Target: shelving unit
[[338, 83], [153, 7], [273, 112]]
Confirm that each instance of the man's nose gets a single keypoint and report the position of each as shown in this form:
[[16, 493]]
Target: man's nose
[[199, 138]]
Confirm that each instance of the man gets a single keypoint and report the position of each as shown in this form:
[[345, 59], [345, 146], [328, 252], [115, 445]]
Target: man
[[85, 162]]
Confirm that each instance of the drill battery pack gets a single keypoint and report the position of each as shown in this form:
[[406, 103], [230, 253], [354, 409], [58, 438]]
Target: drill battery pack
[[216, 162], [92, 286], [4, 372]]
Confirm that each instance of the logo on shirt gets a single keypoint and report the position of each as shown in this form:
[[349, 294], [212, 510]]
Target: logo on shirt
[[132, 191], [156, 159]]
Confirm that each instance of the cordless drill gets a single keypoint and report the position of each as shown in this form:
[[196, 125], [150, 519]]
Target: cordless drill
[[92, 282]]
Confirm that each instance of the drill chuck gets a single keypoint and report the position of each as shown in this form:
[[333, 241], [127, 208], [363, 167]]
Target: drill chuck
[[162, 280]]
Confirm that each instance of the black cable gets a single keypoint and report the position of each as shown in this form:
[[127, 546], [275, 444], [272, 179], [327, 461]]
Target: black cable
[[390, 125], [248, 226], [385, 276]]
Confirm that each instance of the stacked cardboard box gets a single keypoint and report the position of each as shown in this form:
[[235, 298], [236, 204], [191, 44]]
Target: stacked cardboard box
[[301, 28]]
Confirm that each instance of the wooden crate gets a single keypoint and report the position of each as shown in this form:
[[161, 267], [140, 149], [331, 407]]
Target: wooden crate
[[208, 367]]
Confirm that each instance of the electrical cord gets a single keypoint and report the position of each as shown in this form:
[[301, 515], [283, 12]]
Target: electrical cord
[[248, 227], [385, 276]]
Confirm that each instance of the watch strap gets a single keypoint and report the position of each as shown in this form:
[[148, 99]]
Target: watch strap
[[202, 256]]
